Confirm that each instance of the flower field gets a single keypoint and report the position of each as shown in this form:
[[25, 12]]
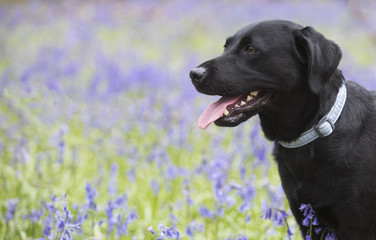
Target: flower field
[[98, 119]]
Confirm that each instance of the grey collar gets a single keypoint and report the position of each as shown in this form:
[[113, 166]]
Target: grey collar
[[324, 127]]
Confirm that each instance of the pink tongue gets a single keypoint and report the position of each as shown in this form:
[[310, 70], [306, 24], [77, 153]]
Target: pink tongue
[[215, 110]]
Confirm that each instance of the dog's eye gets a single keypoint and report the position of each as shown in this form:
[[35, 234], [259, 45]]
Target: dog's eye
[[250, 49]]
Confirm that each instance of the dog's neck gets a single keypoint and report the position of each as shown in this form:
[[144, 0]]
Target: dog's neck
[[298, 111]]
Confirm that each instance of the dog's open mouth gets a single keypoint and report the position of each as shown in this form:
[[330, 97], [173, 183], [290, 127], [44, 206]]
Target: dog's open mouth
[[231, 111]]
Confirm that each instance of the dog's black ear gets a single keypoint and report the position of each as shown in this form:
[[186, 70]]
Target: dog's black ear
[[320, 55]]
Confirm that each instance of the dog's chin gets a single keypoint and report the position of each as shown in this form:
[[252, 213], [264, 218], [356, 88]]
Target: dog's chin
[[238, 115]]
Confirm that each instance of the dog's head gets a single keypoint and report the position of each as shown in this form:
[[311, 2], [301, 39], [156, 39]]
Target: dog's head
[[260, 64]]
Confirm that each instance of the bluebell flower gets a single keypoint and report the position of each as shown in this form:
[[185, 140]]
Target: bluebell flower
[[155, 186], [238, 237], [133, 216], [122, 227], [112, 184], [248, 217], [171, 172], [151, 230], [12, 207], [305, 208], [121, 201], [111, 220], [311, 219], [289, 232], [91, 194], [170, 232], [188, 198], [306, 221], [315, 221], [61, 152], [278, 216], [318, 230], [331, 235], [131, 174], [268, 214], [189, 231], [35, 215], [205, 212], [247, 192], [173, 219], [220, 212]]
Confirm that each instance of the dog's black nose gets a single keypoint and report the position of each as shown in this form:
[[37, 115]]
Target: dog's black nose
[[197, 74]]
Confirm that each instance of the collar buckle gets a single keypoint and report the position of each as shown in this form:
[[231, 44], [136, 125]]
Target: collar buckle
[[324, 127]]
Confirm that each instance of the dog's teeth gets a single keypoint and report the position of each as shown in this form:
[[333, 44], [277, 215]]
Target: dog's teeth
[[249, 98], [242, 103], [226, 112], [236, 105], [254, 93]]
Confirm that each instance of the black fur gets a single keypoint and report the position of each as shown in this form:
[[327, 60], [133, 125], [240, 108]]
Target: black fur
[[335, 174]]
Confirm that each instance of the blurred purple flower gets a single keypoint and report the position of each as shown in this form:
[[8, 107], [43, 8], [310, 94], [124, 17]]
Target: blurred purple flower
[[194, 227], [151, 230], [35, 215], [12, 207], [205, 212], [112, 184], [133, 216], [248, 218], [170, 232], [61, 152], [111, 220], [47, 225], [131, 174], [155, 186], [91, 194], [241, 237]]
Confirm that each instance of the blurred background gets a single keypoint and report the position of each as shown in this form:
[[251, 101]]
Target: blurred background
[[98, 118]]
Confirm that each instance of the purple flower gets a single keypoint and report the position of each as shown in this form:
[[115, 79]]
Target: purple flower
[[173, 219], [47, 225], [12, 206], [131, 174], [133, 216], [35, 215], [151, 230], [112, 184], [248, 218], [111, 220], [331, 235], [189, 231], [205, 212], [122, 227], [289, 233], [155, 186], [268, 214], [278, 216], [318, 230], [241, 237], [188, 198], [91, 194], [61, 152], [311, 219], [170, 232]]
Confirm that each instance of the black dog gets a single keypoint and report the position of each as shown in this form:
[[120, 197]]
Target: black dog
[[287, 74]]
